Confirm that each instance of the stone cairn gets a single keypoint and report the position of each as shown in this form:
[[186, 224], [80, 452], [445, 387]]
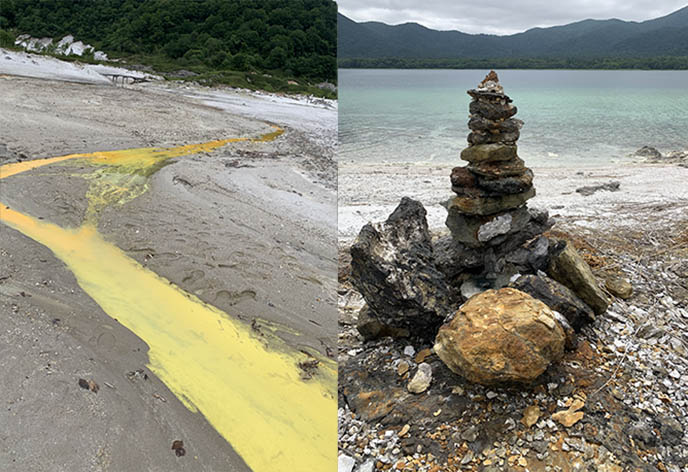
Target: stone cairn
[[525, 294], [489, 212]]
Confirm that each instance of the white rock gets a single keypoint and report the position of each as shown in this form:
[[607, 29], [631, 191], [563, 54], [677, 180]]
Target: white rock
[[421, 380], [345, 463], [496, 227], [367, 466]]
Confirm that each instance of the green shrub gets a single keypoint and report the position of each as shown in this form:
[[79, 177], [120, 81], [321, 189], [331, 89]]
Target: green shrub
[[6, 39]]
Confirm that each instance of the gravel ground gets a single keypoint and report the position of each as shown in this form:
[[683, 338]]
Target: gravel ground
[[629, 372]]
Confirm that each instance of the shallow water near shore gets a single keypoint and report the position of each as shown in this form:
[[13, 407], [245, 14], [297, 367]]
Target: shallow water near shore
[[244, 380], [571, 117]]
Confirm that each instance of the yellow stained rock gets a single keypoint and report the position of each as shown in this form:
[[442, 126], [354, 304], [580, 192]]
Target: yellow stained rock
[[420, 357], [571, 416], [499, 336], [577, 405], [530, 416]]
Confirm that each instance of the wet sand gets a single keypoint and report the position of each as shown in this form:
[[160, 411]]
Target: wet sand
[[248, 228]]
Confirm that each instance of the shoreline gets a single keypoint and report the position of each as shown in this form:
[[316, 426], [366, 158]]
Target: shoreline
[[504, 68], [643, 188]]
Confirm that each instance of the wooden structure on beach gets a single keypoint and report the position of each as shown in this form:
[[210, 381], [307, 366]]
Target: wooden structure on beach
[[122, 79]]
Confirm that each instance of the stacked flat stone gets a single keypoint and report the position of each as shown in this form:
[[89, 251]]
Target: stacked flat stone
[[491, 191], [488, 218]]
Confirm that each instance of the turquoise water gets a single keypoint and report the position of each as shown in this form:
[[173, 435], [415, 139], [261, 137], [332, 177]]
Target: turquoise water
[[571, 117]]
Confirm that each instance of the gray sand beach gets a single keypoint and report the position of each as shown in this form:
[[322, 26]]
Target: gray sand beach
[[248, 228]]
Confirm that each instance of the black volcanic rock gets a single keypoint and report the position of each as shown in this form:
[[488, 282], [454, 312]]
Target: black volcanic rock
[[558, 297], [453, 257], [488, 95], [506, 185], [478, 123], [394, 269], [370, 327]]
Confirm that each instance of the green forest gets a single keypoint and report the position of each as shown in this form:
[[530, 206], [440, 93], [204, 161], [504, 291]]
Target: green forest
[[644, 63], [216, 38], [659, 43]]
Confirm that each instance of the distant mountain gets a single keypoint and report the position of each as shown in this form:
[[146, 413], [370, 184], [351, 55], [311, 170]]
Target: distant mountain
[[665, 36]]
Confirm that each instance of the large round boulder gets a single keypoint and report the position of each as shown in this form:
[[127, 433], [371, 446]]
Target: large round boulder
[[501, 336]]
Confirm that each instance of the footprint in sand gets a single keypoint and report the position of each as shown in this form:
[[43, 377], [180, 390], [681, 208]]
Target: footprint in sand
[[106, 341], [193, 277], [225, 297]]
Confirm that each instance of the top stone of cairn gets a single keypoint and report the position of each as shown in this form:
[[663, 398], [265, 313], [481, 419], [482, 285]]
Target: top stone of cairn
[[490, 84]]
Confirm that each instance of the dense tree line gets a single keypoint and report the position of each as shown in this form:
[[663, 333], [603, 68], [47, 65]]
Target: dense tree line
[[295, 37], [645, 63]]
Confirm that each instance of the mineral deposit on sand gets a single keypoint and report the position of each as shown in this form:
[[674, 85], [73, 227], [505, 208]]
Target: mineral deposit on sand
[[264, 197]]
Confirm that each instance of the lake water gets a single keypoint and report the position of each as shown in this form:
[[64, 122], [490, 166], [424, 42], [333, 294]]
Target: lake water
[[571, 117]]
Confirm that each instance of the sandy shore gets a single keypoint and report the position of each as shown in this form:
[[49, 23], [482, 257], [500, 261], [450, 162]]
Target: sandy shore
[[249, 228], [647, 192]]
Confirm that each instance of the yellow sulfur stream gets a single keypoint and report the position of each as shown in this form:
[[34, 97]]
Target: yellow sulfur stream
[[135, 160], [247, 384]]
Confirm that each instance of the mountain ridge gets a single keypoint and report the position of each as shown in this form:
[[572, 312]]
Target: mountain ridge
[[584, 39]]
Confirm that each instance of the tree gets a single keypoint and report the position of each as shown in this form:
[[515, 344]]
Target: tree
[[277, 58], [6, 39], [238, 34], [241, 61]]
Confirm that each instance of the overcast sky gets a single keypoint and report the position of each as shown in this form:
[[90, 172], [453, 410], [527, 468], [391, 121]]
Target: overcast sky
[[507, 18]]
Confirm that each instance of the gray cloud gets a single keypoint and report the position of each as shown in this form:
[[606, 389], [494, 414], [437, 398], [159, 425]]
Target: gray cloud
[[504, 18]]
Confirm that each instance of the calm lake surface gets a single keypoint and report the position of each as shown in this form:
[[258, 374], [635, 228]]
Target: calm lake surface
[[571, 117]]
